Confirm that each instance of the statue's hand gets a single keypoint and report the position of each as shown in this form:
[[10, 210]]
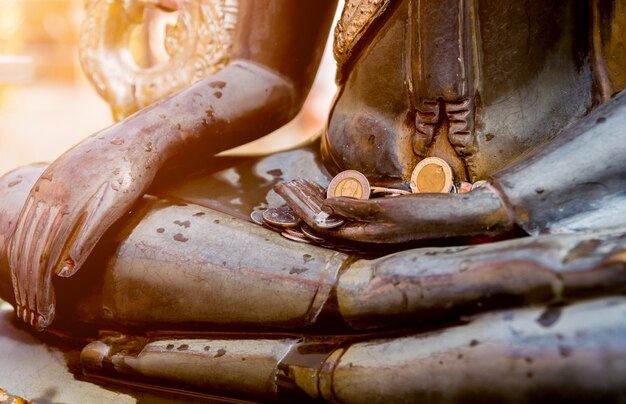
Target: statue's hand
[[405, 218], [67, 211]]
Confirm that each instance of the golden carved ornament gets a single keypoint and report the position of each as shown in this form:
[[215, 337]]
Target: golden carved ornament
[[198, 45], [356, 18], [7, 398]]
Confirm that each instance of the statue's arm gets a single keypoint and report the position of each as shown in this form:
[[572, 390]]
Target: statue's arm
[[277, 48], [575, 182]]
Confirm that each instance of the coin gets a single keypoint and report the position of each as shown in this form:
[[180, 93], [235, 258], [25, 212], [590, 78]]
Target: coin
[[295, 232], [431, 175], [310, 233], [326, 221], [294, 237], [351, 184], [282, 216], [278, 229], [257, 216]]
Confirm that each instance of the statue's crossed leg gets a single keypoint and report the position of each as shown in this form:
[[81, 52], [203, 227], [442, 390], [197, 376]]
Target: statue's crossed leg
[[185, 267], [577, 352]]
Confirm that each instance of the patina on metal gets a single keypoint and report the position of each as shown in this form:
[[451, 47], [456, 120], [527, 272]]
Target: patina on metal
[[138, 244]]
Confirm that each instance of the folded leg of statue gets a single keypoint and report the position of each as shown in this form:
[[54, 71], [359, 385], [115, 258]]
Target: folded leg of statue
[[532, 354], [185, 265], [179, 264]]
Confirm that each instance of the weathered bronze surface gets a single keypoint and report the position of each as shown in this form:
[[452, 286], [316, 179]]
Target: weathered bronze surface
[[139, 243]]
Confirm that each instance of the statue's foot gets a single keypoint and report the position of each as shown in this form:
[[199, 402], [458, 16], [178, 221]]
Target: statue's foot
[[14, 188]]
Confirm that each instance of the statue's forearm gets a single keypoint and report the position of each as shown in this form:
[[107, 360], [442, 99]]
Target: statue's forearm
[[581, 171], [237, 105], [276, 51]]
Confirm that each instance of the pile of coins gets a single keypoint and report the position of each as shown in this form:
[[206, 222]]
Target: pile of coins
[[285, 221], [430, 175]]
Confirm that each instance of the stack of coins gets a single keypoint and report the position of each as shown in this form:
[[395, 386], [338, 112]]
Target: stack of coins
[[285, 221], [281, 219], [353, 184]]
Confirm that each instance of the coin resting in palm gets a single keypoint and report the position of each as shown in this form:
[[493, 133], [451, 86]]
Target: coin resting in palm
[[139, 226], [431, 175], [351, 184], [350, 188]]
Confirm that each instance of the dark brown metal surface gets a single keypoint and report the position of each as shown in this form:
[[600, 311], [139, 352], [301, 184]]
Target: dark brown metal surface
[[140, 230]]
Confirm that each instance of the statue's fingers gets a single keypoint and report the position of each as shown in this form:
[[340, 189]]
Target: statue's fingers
[[363, 232], [308, 193], [45, 299], [39, 232], [29, 263], [19, 259], [354, 209], [296, 201], [316, 190], [91, 224]]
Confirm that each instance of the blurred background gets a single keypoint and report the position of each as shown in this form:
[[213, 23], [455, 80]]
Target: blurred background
[[47, 105]]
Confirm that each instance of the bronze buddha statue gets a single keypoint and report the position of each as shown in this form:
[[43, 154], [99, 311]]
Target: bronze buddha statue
[[139, 232]]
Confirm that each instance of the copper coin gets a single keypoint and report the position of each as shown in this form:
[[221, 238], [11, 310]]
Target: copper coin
[[351, 184], [295, 232], [310, 233], [325, 221], [282, 216], [294, 237], [277, 229], [432, 175]]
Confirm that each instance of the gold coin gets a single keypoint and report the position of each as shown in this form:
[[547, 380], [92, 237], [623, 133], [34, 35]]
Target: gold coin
[[351, 184], [432, 175]]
